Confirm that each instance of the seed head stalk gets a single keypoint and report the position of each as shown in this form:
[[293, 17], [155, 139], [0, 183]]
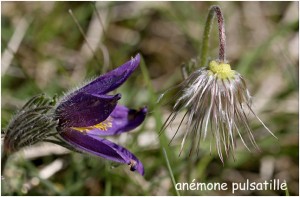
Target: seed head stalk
[[214, 10]]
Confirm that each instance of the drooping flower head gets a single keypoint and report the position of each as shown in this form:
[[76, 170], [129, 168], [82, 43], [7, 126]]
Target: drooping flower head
[[89, 113], [216, 101]]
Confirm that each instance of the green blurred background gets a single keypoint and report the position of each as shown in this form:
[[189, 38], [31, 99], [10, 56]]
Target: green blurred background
[[44, 51]]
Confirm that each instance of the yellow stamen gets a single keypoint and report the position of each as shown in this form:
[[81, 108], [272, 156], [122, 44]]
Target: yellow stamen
[[102, 126], [222, 70]]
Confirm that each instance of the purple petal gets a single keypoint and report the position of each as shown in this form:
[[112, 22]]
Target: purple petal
[[122, 120], [83, 110], [113, 79], [102, 148]]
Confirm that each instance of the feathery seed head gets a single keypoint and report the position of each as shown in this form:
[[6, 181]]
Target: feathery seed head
[[216, 100]]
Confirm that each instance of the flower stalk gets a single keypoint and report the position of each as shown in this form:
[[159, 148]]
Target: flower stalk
[[4, 158], [214, 10]]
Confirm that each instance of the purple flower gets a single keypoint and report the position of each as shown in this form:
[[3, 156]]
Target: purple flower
[[89, 113]]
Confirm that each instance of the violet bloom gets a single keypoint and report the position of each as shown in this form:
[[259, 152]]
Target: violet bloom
[[89, 113]]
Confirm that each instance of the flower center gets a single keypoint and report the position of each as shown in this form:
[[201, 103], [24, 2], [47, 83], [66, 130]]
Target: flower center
[[222, 70], [104, 126]]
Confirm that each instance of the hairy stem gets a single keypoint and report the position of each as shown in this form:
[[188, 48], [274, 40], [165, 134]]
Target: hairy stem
[[214, 10], [4, 158]]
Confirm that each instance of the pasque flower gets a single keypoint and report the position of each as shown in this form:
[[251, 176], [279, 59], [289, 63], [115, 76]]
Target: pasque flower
[[216, 100], [89, 113]]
